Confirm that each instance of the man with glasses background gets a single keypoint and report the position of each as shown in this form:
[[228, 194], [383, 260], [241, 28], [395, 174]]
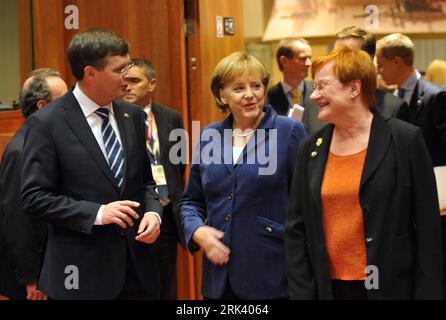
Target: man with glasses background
[[87, 174]]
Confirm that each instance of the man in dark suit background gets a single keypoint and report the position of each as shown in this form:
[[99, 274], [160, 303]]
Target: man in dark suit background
[[86, 174], [354, 37], [294, 59], [426, 103], [141, 79], [22, 237]]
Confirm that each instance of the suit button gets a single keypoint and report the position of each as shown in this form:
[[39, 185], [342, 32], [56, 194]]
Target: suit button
[[230, 177], [228, 218], [366, 209], [122, 233], [368, 241], [269, 229], [230, 196]]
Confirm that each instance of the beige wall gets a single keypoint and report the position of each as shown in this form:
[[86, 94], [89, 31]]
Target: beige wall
[[9, 52]]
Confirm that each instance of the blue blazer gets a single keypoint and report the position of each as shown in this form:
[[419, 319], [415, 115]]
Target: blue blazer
[[247, 206]]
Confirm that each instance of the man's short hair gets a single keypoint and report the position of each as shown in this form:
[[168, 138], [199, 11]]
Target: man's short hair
[[37, 89], [396, 45], [286, 49], [368, 39], [92, 47], [147, 65]]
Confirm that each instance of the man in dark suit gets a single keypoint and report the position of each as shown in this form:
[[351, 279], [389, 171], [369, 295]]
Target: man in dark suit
[[426, 103], [22, 237], [294, 59], [86, 174], [354, 37], [161, 120]]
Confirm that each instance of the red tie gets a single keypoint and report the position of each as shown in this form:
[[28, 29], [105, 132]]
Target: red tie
[[149, 126]]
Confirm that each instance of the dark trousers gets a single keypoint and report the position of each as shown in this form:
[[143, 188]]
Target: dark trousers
[[228, 294], [349, 290], [133, 288], [443, 231], [166, 250]]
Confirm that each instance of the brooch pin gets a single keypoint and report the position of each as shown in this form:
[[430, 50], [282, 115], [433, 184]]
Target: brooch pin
[[319, 142], [126, 115], [313, 154]]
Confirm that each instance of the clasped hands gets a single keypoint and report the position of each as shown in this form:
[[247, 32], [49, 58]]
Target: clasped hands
[[122, 214]]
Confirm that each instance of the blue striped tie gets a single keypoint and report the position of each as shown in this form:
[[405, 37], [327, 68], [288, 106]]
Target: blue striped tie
[[113, 148]]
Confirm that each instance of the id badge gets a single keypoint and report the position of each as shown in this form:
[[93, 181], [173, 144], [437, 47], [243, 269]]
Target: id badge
[[158, 175]]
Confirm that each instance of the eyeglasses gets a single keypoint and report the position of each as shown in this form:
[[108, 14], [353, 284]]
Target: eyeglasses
[[321, 85], [126, 69]]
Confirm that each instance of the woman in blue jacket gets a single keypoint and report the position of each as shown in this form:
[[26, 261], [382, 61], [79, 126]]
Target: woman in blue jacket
[[236, 199]]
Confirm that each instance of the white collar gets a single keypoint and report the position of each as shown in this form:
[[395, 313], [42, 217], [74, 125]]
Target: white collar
[[411, 82], [88, 106], [287, 87]]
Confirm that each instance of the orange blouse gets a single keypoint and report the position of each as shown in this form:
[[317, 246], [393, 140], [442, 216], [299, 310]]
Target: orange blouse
[[342, 219]]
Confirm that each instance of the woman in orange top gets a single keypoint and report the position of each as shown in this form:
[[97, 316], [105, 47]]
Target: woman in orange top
[[363, 219]]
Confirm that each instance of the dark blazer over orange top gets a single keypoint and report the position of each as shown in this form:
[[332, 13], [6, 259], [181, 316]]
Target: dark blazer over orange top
[[399, 202], [66, 178]]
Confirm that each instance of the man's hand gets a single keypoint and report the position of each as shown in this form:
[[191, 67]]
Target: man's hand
[[208, 238], [120, 212], [33, 294], [149, 229]]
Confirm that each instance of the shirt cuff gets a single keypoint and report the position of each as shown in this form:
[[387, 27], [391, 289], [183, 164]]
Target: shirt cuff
[[98, 220], [156, 214]]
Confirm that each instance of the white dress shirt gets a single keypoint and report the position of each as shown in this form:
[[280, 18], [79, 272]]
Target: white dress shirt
[[88, 108]]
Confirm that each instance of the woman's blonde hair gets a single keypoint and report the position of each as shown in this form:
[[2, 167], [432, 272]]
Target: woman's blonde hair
[[436, 72], [233, 66]]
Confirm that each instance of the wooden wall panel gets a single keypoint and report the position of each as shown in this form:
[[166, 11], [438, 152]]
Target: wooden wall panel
[[154, 29], [211, 50], [10, 121], [49, 34], [25, 41]]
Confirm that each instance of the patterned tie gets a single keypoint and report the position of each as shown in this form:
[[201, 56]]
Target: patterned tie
[[115, 155], [152, 141], [295, 96]]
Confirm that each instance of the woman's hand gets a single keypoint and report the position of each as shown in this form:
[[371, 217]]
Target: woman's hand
[[208, 239]]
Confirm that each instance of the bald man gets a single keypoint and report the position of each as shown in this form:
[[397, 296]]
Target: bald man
[[21, 238]]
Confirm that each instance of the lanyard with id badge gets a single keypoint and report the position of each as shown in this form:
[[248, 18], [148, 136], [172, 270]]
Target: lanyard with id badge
[[154, 155]]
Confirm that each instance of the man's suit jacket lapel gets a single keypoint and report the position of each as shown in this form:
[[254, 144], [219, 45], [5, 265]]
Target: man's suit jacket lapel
[[279, 99], [163, 127], [308, 90], [124, 123], [78, 123]]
